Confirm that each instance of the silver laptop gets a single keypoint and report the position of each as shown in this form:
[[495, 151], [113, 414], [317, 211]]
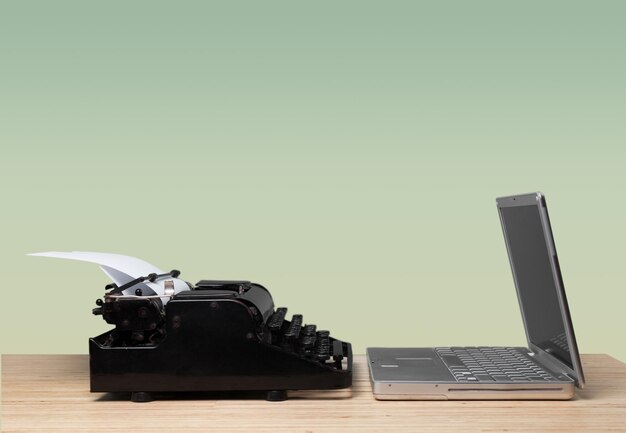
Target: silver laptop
[[549, 368]]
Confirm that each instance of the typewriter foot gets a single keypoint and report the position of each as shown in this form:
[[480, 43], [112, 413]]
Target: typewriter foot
[[277, 395], [141, 397]]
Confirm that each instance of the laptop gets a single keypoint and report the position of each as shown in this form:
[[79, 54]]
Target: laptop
[[549, 368]]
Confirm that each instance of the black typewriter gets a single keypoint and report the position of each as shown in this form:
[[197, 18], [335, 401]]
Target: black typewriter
[[216, 336]]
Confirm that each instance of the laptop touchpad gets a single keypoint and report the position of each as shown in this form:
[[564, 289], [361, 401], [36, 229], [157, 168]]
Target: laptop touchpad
[[426, 369], [410, 365]]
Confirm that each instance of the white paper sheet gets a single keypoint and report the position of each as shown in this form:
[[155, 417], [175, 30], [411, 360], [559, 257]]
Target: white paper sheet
[[122, 269]]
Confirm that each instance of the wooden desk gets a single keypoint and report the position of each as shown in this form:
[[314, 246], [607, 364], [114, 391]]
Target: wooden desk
[[50, 393]]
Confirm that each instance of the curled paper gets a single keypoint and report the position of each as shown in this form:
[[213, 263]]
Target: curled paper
[[123, 269]]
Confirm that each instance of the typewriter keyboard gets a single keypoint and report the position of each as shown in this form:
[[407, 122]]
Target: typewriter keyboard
[[304, 339]]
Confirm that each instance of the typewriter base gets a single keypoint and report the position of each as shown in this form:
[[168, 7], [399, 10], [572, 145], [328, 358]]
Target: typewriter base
[[148, 373], [146, 397]]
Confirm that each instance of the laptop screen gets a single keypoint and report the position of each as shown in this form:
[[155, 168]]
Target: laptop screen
[[537, 290]]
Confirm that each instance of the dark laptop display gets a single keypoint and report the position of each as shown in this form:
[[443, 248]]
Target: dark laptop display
[[535, 280]]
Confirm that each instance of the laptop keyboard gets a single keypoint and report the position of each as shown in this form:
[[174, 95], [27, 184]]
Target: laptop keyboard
[[492, 364]]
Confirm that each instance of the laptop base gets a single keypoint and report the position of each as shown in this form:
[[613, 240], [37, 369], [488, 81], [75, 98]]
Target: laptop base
[[420, 374]]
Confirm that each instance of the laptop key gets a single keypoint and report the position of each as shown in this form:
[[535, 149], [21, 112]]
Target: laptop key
[[452, 361], [485, 377], [501, 378]]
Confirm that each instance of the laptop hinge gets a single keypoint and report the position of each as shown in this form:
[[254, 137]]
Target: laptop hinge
[[552, 364]]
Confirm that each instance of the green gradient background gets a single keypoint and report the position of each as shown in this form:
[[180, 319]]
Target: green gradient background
[[344, 154]]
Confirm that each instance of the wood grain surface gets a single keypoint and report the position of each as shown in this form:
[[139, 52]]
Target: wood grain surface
[[51, 393]]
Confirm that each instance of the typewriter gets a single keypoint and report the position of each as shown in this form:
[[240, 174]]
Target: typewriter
[[211, 336]]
